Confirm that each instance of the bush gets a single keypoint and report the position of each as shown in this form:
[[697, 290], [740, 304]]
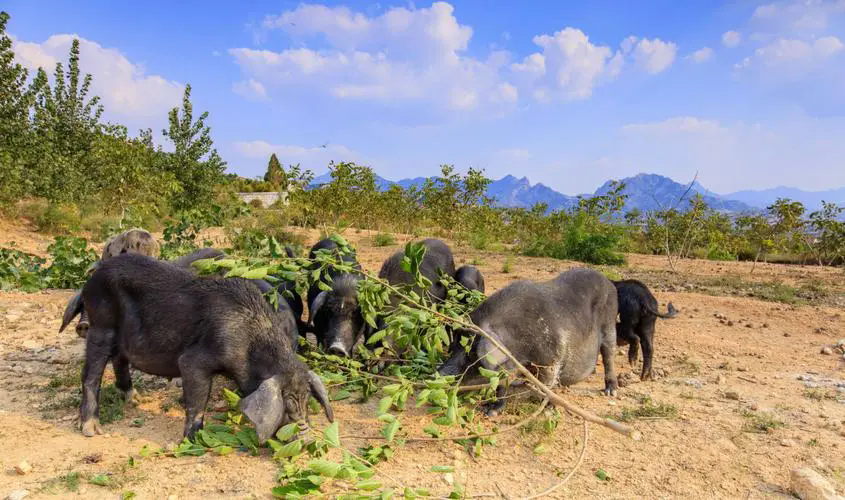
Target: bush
[[384, 240], [577, 244], [70, 260]]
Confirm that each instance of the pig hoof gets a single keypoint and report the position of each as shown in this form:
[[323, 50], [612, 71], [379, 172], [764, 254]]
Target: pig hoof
[[82, 329], [131, 397], [91, 427]]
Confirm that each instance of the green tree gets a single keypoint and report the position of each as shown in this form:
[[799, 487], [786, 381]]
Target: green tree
[[275, 174], [16, 100], [829, 233], [194, 163], [66, 125]]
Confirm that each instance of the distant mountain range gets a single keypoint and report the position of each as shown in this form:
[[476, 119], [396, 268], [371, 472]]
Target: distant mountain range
[[645, 192]]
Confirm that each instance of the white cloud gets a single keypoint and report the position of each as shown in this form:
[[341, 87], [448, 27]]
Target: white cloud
[[569, 64], [675, 125], [731, 39], [406, 56], [250, 89], [402, 55], [792, 57], [804, 18], [701, 55], [124, 87], [652, 56]]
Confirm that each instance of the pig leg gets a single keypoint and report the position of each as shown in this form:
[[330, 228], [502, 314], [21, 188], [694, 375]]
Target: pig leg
[[123, 379], [625, 335], [83, 324], [493, 408], [607, 347], [647, 340], [197, 369], [98, 349]]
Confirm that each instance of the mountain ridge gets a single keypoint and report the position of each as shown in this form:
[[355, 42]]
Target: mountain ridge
[[646, 192]]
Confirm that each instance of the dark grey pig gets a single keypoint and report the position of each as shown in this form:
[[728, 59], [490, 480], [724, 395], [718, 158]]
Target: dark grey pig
[[470, 277], [164, 321], [637, 317], [555, 328], [334, 315], [438, 258]]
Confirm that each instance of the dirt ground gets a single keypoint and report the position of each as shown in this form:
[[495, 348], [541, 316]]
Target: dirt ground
[[753, 396]]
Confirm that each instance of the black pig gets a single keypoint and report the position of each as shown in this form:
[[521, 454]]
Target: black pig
[[166, 321], [555, 328], [334, 315], [637, 317]]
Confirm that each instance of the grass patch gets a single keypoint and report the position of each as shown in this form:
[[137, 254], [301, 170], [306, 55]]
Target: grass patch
[[687, 366], [384, 240], [648, 409], [507, 267], [762, 423], [819, 394]]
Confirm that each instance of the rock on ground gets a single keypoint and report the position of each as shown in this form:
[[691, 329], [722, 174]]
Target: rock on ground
[[808, 484]]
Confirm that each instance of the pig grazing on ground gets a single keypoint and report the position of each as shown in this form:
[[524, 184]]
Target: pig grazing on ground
[[637, 316], [556, 329], [470, 277], [438, 258], [293, 299], [134, 240], [164, 320], [334, 315]]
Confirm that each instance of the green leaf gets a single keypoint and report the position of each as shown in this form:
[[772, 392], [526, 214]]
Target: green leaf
[[332, 435], [255, 274], [486, 373], [601, 474], [539, 449], [324, 467], [127, 495], [390, 430], [369, 485], [226, 263], [433, 431], [384, 404], [443, 420], [236, 272], [100, 480], [287, 432], [224, 450], [443, 468], [386, 417], [291, 449], [391, 389], [422, 397], [376, 336], [494, 382], [341, 394]]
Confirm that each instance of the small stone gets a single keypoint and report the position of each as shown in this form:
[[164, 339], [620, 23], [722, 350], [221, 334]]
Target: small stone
[[730, 323], [741, 369], [17, 495], [765, 325], [808, 484], [732, 395], [23, 468], [787, 443], [787, 334], [749, 325], [826, 350], [449, 478], [720, 379]]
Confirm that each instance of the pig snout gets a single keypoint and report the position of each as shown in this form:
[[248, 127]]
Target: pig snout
[[338, 349]]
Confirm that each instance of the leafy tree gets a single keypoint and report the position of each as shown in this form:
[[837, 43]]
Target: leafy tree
[[66, 125], [275, 174], [829, 230], [194, 162], [15, 135]]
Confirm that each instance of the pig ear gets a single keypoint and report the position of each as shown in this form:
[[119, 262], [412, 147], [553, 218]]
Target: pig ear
[[265, 408], [318, 390], [319, 301]]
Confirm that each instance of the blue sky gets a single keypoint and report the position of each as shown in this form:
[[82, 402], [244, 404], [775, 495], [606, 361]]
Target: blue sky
[[748, 94]]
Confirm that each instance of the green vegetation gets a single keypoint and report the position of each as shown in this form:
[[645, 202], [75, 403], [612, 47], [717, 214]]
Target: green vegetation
[[648, 409], [760, 422]]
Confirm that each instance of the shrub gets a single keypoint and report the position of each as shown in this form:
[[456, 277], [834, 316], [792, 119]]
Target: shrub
[[384, 240]]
